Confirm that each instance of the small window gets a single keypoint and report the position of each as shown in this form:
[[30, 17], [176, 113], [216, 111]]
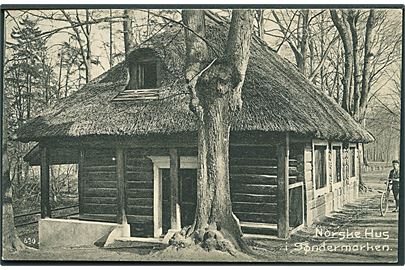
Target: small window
[[352, 161], [337, 164], [320, 166], [143, 75]]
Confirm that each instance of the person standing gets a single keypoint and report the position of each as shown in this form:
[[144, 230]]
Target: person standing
[[394, 179]]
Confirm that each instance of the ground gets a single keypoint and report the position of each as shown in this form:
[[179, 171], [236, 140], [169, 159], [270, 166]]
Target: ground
[[361, 235]]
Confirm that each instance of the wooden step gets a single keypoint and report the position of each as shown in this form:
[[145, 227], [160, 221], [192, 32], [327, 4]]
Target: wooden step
[[253, 228]]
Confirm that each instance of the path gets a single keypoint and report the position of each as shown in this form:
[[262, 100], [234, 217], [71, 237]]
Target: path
[[364, 235]]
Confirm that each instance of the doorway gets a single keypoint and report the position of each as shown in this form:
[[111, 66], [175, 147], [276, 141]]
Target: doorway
[[187, 197]]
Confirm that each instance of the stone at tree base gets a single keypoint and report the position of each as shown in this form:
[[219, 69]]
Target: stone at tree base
[[170, 233]]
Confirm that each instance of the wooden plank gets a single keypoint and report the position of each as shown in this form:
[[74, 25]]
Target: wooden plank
[[45, 203], [120, 173], [96, 175], [81, 180], [140, 219], [140, 210], [174, 192], [140, 193], [139, 176], [253, 179], [100, 200], [100, 192], [243, 197], [98, 217], [140, 201], [254, 169], [98, 161], [102, 184], [254, 188], [139, 162], [254, 207], [137, 168], [298, 184], [140, 185], [102, 168], [269, 170], [256, 217], [235, 161], [310, 195], [90, 208], [252, 151], [282, 189]]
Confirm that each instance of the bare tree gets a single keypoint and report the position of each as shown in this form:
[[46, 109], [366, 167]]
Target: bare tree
[[85, 47], [343, 28]]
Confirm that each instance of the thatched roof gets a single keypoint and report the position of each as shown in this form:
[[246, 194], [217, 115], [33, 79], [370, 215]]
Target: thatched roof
[[276, 98]]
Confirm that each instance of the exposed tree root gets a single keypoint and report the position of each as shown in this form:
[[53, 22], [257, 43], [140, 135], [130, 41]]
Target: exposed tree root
[[210, 238], [12, 243]]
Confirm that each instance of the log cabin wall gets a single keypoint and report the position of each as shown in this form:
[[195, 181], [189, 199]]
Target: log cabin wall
[[97, 181], [253, 181], [335, 196], [139, 187], [253, 176], [99, 186], [139, 191]]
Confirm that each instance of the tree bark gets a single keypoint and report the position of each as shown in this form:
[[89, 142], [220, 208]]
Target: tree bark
[[343, 28], [304, 41], [352, 19], [11, 242], [260, 23], [110, 32], [129, 38], [365, 81], [215, 90]]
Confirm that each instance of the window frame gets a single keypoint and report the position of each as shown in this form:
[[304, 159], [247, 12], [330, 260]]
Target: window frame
[[356, 167], [340, 183], [322, 190], [135, 63]]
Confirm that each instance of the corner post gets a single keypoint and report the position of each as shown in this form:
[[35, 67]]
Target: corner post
[[45, 203], [80, 180], [120, 172], [283, 200], [175, 221]]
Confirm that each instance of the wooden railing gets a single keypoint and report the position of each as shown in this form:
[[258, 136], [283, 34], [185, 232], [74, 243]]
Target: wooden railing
[[27, 218]]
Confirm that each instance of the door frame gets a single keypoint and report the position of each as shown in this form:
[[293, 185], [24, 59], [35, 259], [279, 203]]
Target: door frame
[[159, 163]]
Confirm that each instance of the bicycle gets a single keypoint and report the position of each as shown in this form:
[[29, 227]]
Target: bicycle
[[384, 200]]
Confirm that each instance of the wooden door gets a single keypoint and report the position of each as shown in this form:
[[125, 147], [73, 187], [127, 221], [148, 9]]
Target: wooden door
[[187, 193]]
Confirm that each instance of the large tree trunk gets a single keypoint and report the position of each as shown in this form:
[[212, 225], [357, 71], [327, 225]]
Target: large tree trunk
[[215, 90], [129, 38], [304, 41], [352, 19], [365, 81], [88, 63], [11, 242], [365, 84], [345, 35]]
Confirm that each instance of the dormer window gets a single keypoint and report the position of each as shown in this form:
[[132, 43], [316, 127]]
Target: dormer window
[[144, 75], [144, 80]]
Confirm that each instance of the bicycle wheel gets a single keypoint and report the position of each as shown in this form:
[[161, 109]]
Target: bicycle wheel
[[384, 203]]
